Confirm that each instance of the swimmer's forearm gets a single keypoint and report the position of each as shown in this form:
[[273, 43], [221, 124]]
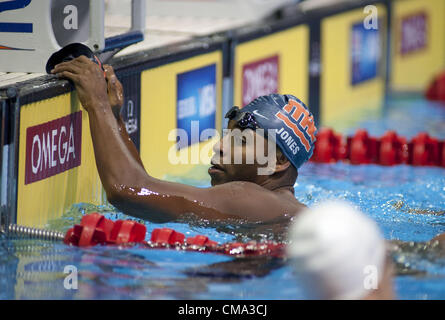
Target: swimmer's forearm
[[115, 164], [127, 140], [122, 176]]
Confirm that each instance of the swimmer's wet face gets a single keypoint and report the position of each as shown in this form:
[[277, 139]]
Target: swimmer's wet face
[[244, 154], [281, 125], [251, 148], [235, 157]]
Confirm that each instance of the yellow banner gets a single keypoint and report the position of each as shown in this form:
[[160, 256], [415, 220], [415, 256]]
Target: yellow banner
[[418, 46], [277, 63], [56, 160], [173, 93], [343, 101]]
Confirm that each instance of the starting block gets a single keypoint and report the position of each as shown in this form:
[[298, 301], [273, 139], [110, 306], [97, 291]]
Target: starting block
[[32, 30]]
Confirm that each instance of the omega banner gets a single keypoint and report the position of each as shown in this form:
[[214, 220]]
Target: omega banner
[[53, 147], [56, 166]]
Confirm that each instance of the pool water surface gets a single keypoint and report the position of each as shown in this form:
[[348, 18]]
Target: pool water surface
[[408, 203]]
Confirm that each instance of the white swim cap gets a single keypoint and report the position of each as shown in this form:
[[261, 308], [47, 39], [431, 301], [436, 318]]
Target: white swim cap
[[336, 250]]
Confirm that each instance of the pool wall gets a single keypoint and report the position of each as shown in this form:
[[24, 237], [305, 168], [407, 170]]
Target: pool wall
[[417, 43], [162, 89], [348, 91], [338, 59], [56, 159]]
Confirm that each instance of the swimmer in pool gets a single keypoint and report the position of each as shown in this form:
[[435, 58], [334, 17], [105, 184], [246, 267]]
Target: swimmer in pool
[[254, 191], [339, 253]]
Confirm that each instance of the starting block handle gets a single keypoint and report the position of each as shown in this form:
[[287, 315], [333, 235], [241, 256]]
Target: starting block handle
[[97, 22], [138, 15], [135, 34]]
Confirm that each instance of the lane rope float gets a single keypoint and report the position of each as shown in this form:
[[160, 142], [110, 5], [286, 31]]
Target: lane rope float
[[94, 229], [390, 149]]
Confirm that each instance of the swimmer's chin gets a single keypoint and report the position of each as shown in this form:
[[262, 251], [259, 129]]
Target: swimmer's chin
[[217, 178]]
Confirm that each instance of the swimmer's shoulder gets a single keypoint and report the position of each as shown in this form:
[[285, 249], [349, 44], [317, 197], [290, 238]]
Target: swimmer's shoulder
[[254, 201], [241, 189]]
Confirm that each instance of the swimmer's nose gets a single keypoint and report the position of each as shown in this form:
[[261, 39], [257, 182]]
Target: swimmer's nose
[[219, 147]]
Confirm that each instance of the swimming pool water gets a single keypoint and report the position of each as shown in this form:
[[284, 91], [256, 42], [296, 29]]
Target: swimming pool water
[[408, 204]]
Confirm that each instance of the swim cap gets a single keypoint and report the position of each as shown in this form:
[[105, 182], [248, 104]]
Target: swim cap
[[292, 120], [70, 52], [336, 249]]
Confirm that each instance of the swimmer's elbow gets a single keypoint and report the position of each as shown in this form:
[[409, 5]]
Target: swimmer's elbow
[[114, 196], [118, 199]]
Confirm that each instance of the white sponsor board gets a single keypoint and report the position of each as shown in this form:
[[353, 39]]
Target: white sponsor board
[[32, 30], [28, 32]]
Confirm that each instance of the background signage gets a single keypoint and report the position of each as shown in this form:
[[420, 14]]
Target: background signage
[[196, 103], [260, 78], [365, 53], [131, 109], [413, 33]]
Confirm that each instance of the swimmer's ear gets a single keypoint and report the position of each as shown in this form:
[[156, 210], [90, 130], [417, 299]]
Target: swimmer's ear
[[282, 162]]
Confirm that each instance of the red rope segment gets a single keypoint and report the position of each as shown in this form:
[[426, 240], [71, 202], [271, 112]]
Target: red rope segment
[[95, 229], [388, 150], [436, 90]]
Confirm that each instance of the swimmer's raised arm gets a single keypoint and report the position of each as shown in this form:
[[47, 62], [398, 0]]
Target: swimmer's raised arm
[[116, 99], [110, 149], [131, 189]]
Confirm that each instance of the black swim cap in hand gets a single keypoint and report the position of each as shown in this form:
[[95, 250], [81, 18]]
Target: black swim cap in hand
[[70, 52]]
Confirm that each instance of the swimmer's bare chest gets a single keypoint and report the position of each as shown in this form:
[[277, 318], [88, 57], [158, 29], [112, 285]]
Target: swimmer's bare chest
[[253, 202]]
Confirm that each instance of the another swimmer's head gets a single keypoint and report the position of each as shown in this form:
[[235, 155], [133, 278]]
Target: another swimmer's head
[[280, 139], [339, 253]]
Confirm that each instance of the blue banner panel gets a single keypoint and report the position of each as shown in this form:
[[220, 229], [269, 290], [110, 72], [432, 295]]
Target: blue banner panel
[[365, 53], [15, 27], [195, 105]]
